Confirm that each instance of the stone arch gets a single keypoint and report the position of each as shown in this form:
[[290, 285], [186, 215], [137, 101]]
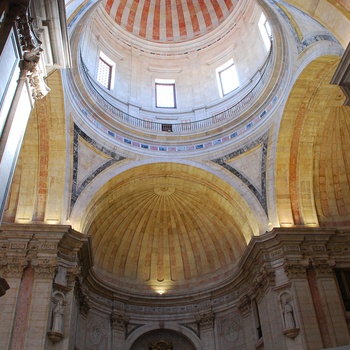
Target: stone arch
[[172, 331], [257, 220], [311, 160]]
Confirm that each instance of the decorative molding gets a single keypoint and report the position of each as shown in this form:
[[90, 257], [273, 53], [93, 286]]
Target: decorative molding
[[83, 299], [165, 70], [44, 268], [131, 327], [192, 326], [206, 320], [295, 269], [324, 268], [119, 321], [230, 329], [264, 278], [245, 305], [12, 267]]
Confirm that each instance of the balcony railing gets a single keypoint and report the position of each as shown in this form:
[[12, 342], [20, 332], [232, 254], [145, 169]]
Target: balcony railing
[[219, 118]]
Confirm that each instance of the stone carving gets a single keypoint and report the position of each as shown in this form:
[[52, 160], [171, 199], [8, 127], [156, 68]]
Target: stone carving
[[44, 268], [95, 333], [230, 329], [83, 299], [206, 320], [57, 316], [97, 336], [13, 267], [119, 321], [263, 279], [324, 268], [161, 345], [295, 269], [290, 329], [56, 332], [31, 49]]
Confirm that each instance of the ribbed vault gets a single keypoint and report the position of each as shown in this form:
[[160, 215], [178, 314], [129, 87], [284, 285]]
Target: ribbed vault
[[166, 226]]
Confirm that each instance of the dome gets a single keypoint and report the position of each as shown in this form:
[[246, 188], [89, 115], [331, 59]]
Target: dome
[[167, 227], [155, 229], [170, 20]]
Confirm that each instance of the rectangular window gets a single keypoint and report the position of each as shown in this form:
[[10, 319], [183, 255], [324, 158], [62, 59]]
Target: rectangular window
[[343, 278], [165, 93], [105, 71], [265, 31], [227, 78]]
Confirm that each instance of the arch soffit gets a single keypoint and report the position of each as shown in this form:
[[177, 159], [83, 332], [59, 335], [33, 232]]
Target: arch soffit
[[311, 101], [244, 202]]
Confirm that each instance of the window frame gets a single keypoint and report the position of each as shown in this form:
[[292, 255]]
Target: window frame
[[265, 31], [220, 71], [165, 82], [111, 68]]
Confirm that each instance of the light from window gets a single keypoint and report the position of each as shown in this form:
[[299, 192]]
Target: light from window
[[165, 93], [227, 78], [265, 31], [105, 71]]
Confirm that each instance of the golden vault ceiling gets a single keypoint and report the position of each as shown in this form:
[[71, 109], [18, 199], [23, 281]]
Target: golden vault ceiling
[[166, 226]]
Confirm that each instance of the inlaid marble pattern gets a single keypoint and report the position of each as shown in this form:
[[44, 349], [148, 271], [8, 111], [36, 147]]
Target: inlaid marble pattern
[[223, 161], [111, 158]]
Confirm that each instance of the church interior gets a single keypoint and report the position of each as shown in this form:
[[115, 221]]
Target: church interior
[[174, 174]]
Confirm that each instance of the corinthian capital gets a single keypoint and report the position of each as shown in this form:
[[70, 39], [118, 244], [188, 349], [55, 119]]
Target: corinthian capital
[[119, 321]]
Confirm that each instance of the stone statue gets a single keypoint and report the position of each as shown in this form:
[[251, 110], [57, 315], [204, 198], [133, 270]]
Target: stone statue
[[57, 318], [288, 314]]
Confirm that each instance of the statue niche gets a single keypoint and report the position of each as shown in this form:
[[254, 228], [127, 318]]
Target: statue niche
[[289, 322], [56, 330]]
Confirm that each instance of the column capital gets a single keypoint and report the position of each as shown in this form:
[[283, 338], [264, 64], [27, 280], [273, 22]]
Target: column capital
[[206, 320], [119, 321], [295, 268]]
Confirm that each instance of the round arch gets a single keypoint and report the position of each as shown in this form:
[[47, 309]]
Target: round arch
[[171, 328], [311, 157], [258, 222]]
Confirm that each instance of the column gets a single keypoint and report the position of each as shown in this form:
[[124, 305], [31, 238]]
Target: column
[[328, 303], [12, 265], [206, 323], [305, 314], [119, 322]]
